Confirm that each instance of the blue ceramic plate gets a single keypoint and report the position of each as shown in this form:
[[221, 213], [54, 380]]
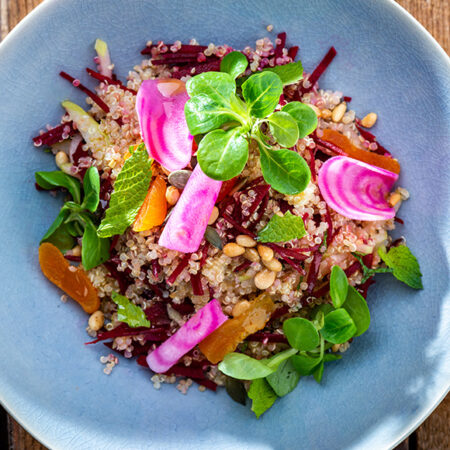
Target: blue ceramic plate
[[391, 378]]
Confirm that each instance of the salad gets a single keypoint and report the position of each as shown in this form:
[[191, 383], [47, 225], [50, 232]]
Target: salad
[[223, 216]]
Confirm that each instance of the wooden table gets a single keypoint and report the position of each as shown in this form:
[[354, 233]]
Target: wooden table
[[433, 434]]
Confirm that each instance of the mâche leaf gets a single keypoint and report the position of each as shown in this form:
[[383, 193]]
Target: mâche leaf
[[283, 128], [222, 154], [304, 116], [128, 312], [130, 190], [234, 64], [356, 306], [262, 396], [59, 232], [94, 249], [282, 229], [56, 179], [338, 286], [285, 379], [262, 93], [217, 86], [288, 73], [285, 170], [91, 188], [338, 327], [404, 264], [301, 334]]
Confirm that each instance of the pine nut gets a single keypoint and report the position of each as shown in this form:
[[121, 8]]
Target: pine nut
[[214, 215], [240, 307], [245, 241], [273, 265], [394, 198], [335, 348], [265, 252], [369, 120], [61, 158], [315, 109], [96, 320], [338, 112], [251, 254], [325, 113], [264, 279], [233, 250], [76, 251], [67, 168], [172, 195]]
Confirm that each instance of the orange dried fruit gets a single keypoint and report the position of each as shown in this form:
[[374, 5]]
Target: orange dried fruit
[[229, 335], [72, 280], [344, 143], [154, 209]]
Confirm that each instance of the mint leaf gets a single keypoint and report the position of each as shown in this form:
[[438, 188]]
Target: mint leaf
[[285, 379], [262, 396], [404, 264], [285, 170], [283, 128], [128, 312], [282, 229], [222, 154], [130, 189], [338, 286], [234, 64]]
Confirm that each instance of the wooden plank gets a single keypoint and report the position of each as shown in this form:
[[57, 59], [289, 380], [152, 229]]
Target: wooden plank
[[435, 16]]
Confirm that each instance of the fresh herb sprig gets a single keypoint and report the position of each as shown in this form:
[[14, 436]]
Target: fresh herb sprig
[[310, 342], [228, 121], [128, 312], [77, 216]]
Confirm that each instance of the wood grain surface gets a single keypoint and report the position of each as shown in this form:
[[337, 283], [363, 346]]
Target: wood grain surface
[[434, 15]]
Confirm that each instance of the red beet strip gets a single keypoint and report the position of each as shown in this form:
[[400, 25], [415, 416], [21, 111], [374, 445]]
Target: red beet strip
[[312, 163], [279, 312], [204, 252], [400, 221], [157, 334], [313, 271], [327, 146], [87, 91], [120, 277], [320, 69], [107, 80], [184, 49], [261, 193], [199, 68], [346, 98], [182, 264], [54, 135], [279, 47], [292, 52], [267, 337], [72, 258], [368, 136], [196, 283], [262, 210], [243, 266]]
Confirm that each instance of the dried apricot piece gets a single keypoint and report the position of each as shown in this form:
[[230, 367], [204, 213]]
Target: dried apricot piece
[[154, 209], [72, 280], [344, 143], [227, 337]]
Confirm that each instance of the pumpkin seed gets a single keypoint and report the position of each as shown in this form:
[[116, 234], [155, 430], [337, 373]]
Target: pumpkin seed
[[236, 390], [212, 236], [179, 178]]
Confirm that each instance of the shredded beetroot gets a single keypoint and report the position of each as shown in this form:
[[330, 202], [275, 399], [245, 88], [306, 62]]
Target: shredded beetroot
[[123, 330], [237, 226], [183, 49], [279, 312], [262, 210], [196, 283], [293, 264], [320, 69], [285, 206], [183, 308], [174, 59], [346, 98], [121, 277], [226, 188], [330, 224], [400, 221], [312, 163], [55, 135], [368, 136], [267, 337], [156, 269], [72, 258], [281, 37], [209, 384], [199, 68], [327, 146], [157, 314], [77, 155], [313, 272], [87, 91], [363, 288], [137, 348], [183, 371], [107, 80], [292, 52], [182, 264], [243, 266], [204, 252], [261, 192]]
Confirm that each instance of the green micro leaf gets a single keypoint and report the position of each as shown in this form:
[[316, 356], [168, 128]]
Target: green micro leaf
[[283, 128], [94, 249], [338, 286], [304, 116], [301, 334], [338, 327], [318, 371], [222, 154], [285, 379], [282, 229], [204, 114], [128, 312], [305, 364], [243, 367], [217, 86], [130, 190], [262, 396], [262, 93], [234, 64], [285, 170], [274, 361], [404, 264], [356, 306], [91, 188], [288, 73], [55, 179]]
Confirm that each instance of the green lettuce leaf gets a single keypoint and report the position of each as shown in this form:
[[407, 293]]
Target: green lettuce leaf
[[128, 312], [129, 193], [282, 229]]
